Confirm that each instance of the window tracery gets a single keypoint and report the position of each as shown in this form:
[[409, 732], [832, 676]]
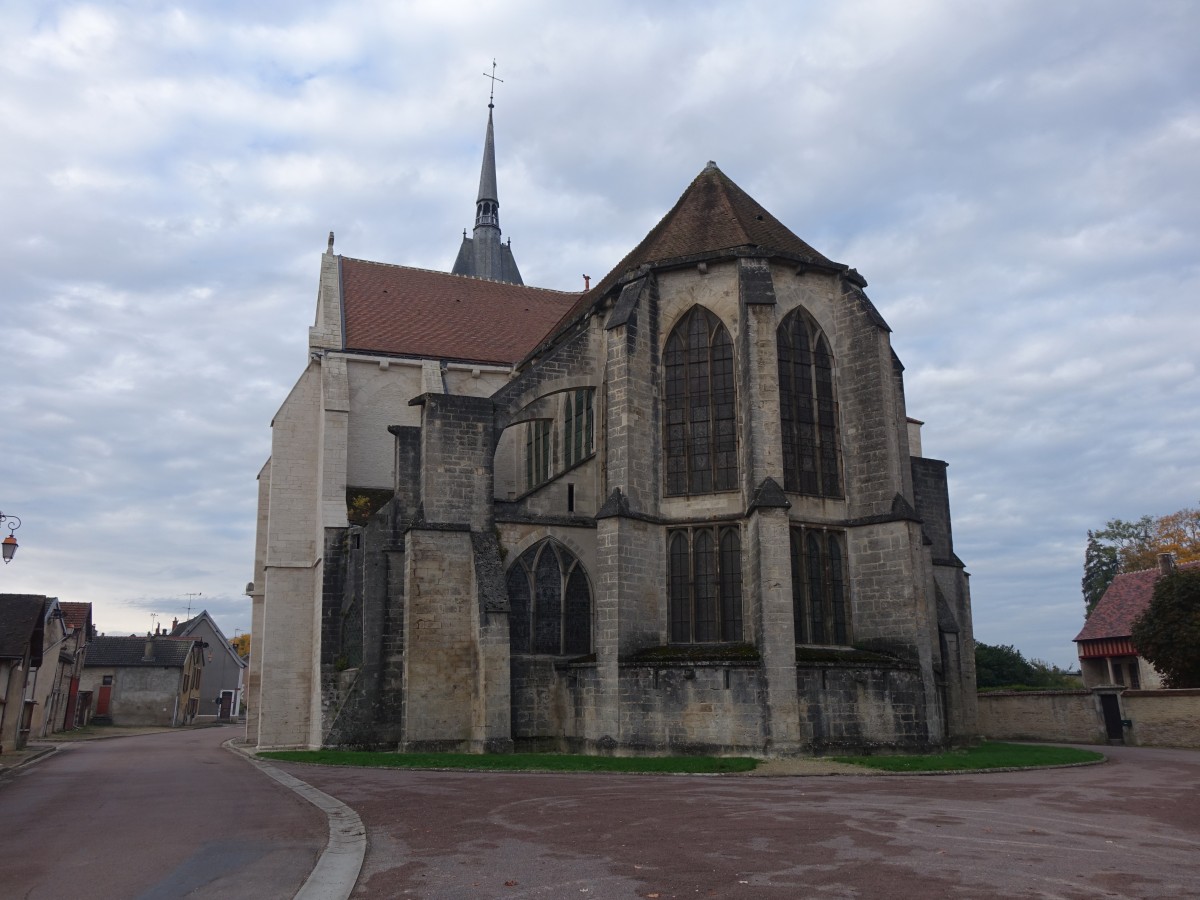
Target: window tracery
[[700, 407], [808, 409], [705, 584], [819, 601], [550, 602]]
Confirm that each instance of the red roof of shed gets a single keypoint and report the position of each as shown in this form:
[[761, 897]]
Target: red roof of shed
[[1126, 599]]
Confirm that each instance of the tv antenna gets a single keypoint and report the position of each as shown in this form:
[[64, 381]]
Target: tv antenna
[[192, 597]]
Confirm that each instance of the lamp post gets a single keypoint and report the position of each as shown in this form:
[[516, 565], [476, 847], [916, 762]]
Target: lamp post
[[9, 544]]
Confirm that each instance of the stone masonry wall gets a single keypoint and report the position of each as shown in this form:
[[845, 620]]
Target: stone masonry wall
[[1162, 718], [861, 708], [441, 659], [1070, 716], [716, 708], [1165, 718], [457, 445]]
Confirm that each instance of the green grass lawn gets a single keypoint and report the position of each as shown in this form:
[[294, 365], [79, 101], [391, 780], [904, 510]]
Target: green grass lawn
[[508, 762], [985, 756]]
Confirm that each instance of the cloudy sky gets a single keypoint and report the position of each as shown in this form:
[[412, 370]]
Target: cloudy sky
[[1019, 182]]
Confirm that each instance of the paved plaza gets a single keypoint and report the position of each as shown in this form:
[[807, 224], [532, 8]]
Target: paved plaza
[[176, 814]]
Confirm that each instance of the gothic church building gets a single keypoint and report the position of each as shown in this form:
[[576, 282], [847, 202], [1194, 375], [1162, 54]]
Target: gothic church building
[[683, 511]]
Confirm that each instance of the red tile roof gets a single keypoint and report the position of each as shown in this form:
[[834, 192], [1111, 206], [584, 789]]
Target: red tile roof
[[1126, 599], [76, 615], [434, 315]]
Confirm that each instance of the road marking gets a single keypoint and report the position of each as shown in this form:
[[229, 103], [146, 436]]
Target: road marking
[[338, 867]]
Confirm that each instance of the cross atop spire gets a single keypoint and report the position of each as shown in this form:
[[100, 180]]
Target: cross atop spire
[[492, 94]]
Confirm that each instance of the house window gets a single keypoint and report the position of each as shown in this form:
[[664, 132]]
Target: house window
[[537, 453], [819, 602], [705, 585], [808, 409], [107, 679], [700, 418], [578, 426], [550, 602]]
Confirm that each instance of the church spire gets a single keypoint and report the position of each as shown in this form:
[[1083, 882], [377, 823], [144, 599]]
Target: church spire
[[483, 255], [487, 204]]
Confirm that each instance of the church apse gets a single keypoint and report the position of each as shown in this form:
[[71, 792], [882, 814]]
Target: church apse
[[682, 519]]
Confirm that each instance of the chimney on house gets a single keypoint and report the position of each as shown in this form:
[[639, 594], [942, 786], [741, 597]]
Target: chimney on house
[[148, 656], [175, 623], [1166, 563]]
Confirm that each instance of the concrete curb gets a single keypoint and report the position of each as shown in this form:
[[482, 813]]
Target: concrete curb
[[339, 865], [41, 753]]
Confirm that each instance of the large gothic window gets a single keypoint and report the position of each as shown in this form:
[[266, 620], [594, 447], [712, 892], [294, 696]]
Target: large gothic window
[[550, 602], [808, 409], [819, 587], [705, 585], [700, 410]]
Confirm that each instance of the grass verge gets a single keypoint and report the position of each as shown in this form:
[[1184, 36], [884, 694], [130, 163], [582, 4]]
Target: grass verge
[[985, 756], [512, 762]]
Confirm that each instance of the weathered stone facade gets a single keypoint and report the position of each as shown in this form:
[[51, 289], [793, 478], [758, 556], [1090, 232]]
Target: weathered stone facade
[[536, 580]]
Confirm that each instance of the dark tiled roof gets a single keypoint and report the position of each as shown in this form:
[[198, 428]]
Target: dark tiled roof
[[181, 628], [76, 615], [19, 616], [433, 315], [712, 215], [1126, 599], [128, 651]]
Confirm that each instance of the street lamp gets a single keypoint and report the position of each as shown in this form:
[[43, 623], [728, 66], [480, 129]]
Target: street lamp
[[9, 544]]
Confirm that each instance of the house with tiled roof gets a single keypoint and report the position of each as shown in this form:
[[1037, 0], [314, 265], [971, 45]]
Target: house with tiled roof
[[224, 670], [1107, 655], [22, 642], [682, 511], [42, 646], [151, 680]]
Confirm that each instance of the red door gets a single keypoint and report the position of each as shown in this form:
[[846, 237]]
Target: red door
[[102, 700]]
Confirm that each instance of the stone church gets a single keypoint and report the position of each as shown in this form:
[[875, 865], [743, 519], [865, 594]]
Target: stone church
[[683, 511]]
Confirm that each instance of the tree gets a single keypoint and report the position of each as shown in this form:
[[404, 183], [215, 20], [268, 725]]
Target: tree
[[1168, 632], [1100, 566], [1004, 666], [241, 645], [1122, 546]]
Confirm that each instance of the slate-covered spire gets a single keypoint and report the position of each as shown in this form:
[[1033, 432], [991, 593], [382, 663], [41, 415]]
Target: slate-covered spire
[[483, 254], [487, 204]]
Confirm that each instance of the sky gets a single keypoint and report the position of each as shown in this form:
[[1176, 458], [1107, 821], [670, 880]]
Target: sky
[[1018, 181]]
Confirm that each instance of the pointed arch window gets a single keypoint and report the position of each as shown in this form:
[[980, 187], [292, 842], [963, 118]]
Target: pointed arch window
[[700, 407], [538, 451], [808, 409], [578, 425], [705, 585], [819, 602], [550, 602]]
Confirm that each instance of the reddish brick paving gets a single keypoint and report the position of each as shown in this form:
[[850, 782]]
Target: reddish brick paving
[[1130, 828]]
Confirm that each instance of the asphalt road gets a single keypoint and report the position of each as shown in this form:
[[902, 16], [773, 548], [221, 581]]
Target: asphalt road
[[1130, 828], [154, 817]]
